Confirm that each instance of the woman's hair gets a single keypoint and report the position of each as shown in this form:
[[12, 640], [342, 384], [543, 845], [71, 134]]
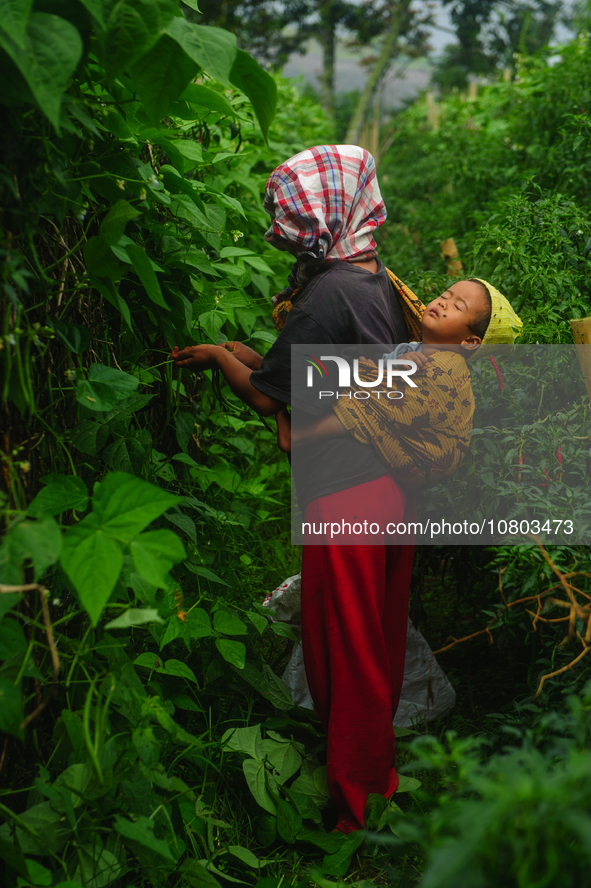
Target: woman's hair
[[479, 327]]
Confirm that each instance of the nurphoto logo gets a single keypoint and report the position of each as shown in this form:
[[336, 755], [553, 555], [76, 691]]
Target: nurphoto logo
[[394, 368]]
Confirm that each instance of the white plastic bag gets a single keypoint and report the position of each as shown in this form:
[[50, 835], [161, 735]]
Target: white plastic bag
[[426, 690]]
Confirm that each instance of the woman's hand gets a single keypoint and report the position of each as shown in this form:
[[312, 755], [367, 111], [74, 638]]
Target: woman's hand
[[244, 354], [196, 357], [236, 374]]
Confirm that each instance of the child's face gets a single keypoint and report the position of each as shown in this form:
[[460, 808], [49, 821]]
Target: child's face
[[448, 318]]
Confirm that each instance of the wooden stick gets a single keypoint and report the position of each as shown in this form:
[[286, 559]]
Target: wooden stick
[[581, 328], [450, 253]]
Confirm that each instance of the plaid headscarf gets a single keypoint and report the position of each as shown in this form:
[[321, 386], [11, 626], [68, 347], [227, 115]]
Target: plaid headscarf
[[325, 201]]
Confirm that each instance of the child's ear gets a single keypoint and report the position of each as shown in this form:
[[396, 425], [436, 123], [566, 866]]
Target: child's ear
[[471, 342]]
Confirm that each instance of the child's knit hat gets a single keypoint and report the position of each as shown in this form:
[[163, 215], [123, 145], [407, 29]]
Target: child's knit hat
[[504, 325]]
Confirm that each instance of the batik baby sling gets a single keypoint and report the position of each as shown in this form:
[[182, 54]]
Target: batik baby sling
[[424, 435]]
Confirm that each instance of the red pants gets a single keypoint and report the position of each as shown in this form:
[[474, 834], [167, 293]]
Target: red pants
[[354, 618]]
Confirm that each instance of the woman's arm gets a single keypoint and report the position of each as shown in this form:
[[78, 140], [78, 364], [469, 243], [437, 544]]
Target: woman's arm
[[237, 375], [328, 426], [245, 355]]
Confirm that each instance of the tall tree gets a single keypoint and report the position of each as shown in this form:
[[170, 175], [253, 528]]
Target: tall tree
[[490, 32], [273, 30], [398, 24]]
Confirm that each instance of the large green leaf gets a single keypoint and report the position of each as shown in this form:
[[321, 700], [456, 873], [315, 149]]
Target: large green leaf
[[199, 623], [154, 553], [124, 505], [97, 867], [194, 871], [243, 854], [176, 628], [247, 740], [128, 453], [40, 541], [337, 864], [186, 524], [44, 821], [228, 623], [135, 617], [92, 552], [269, 685], [90, 436], [232, 651], [47, 58], [211, 48], [146, 274], [132, 28], [64, 492], [161, 75], [256, 777], [191, 152], [408, 784], [113, 225], [177, 668], [204, 97], [139, 835], [14, 15], [101, 263], [258, 85], [289, 821], [283, 755], [95, 8], [92, 559], [306, 796], [105, 387]]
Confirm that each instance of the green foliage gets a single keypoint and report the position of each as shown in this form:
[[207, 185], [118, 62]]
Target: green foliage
[[490, 33], [540, 249], [521, 815], [506, 175], [135, 156]]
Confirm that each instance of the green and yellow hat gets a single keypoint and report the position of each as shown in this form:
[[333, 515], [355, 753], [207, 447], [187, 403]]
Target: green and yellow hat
[[505, 326]]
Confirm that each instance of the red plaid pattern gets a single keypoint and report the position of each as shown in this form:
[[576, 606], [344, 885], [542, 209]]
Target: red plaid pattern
[[326, 202], [331, 193]]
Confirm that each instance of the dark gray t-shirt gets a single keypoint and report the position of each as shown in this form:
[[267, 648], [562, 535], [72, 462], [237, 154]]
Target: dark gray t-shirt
[[344, 304]]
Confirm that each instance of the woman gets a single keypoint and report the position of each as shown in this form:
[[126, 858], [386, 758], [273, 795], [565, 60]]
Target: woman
[[325, 205]]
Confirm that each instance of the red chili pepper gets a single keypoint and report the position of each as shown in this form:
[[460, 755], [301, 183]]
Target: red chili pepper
[[498, 372], [175, 352], [560, 472]]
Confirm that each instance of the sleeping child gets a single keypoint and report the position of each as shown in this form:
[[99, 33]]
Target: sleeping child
[[424, 434]]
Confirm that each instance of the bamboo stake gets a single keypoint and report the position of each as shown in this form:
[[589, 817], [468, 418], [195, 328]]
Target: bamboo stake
[[432, 111], [450, 253], [581, 328]]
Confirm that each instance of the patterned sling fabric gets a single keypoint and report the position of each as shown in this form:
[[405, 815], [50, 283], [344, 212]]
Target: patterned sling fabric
[[424, 435], [412, 307], [325, 203]]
